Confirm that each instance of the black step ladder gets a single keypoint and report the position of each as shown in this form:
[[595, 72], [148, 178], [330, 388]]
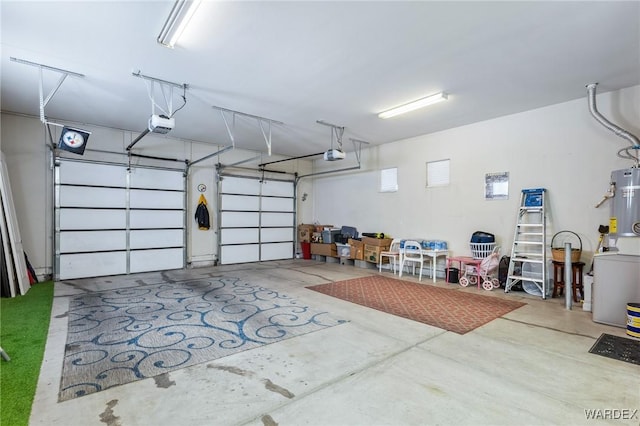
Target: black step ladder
[[529, 253]]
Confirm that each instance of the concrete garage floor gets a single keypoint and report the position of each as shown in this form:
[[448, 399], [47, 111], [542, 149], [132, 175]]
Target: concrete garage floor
[[529, 367]]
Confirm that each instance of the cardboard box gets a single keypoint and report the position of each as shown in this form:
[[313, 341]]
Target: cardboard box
[[324, 249], [380, 242], [357, 249], [372, 253], [305, 232]]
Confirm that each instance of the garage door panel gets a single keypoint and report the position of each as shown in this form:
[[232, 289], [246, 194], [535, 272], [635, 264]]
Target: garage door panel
[[92, 264], [277, 188], [103, 226], [239, 254], [268, 235], [145, 219], [148, 199], [276, 219], [234, 185], [276, 251], [240, 202], [86, 241], [272, 224], [156, 238], [82, 173], [239, 236], [93, 219], [277, 204], [156, 260], [239, 219], [84, 196], [156, 179]]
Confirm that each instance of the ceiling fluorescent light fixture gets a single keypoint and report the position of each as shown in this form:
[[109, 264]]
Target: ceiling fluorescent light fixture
[[177, 21], [420, 103]]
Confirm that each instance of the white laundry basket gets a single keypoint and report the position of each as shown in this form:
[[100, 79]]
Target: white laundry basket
[[481, 250]]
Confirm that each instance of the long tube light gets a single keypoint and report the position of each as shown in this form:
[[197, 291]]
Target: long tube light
[[177, 21], [420, 103]]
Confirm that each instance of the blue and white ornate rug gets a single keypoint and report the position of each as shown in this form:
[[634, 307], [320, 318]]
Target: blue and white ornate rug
[[120, 336]]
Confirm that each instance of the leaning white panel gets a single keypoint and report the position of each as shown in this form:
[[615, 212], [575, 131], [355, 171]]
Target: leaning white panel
[[156, 238], [239, 236], [82, 173], [148, 199], [144, 219], [83, 241], [276, 219], [92, 264], [82, 196], [239, 254], [277, 188], [156, 260], [276, 251], [93, 219], [156, 179]]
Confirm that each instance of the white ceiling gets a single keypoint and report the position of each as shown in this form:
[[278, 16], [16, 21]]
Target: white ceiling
[[298, 62]]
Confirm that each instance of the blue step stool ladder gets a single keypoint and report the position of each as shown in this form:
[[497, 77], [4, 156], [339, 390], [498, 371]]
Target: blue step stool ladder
[[528, 262]]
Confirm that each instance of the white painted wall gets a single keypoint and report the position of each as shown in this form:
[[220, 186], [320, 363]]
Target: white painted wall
[[23, 141], [560, 148]]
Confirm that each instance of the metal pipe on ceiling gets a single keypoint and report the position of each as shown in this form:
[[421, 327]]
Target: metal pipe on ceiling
[[292, 158], [136, 140], [152, 157], [227, 148], [633, 140]]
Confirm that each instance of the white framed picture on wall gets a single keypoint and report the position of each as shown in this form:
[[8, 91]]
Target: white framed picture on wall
[[496, 186]]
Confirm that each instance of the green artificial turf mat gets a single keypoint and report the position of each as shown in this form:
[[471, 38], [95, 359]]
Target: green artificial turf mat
[[24, 324]]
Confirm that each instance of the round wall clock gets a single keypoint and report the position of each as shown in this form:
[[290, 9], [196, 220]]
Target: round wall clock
[[73, 140]]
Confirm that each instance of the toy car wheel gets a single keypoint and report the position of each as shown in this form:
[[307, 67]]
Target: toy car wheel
[[496, 283], [473, 280], [464, 281], [487, 285]]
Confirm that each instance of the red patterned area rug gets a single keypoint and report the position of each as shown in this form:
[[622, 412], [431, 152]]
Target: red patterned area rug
[[450, 309]]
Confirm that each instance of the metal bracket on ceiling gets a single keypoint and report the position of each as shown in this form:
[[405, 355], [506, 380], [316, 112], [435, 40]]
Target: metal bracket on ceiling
[[338, 131], [357, 149], [165, 86], [261, 121], [45, 100]]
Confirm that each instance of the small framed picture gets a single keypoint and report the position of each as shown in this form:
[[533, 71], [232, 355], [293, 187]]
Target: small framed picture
[[496, 186]]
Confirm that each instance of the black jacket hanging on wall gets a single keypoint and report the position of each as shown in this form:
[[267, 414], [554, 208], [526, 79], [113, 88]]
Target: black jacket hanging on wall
[[202, 214]]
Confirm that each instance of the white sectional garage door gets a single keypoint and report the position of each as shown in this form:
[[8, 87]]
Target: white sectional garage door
[[256, 219], [110, 220]]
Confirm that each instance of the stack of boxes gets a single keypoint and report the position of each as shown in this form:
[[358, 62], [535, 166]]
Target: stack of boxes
[[313, 234], [368, 249], [373, 247]]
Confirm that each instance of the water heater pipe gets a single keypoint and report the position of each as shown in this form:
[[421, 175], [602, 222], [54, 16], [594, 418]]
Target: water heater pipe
[[633, 140], [591, 88]]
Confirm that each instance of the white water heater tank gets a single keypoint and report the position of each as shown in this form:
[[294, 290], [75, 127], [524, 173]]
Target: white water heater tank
[[625, 206]]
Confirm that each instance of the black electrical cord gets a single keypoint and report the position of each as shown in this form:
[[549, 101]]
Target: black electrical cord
[[184, 98]]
